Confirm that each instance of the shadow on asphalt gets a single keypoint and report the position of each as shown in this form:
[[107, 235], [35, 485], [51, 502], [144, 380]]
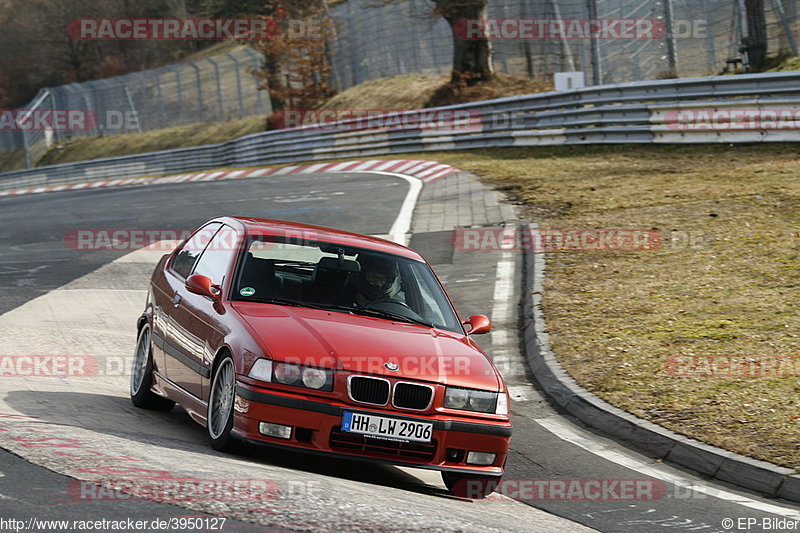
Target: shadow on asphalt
[[115, 416]]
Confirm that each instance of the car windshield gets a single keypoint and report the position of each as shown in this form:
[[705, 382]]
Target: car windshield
[[342, 278]]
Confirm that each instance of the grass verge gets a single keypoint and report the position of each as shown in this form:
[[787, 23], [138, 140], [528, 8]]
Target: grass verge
[[725, 284], [83, 148]]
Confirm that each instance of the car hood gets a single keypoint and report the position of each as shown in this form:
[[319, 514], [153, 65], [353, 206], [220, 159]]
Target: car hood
[[362, 344]]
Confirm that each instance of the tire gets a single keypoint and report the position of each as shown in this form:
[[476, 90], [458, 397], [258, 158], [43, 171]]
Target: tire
[[474, 486], [142, 376], [219, 417]]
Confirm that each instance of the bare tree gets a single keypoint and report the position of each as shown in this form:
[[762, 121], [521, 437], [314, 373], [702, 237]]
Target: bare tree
[[296, 67], [472, 57]]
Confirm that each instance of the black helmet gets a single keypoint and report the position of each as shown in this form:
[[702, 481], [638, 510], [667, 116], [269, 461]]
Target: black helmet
[[378, 274]]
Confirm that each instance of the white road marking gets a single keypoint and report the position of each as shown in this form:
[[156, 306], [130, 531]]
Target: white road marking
[[567, 432], [505, 355], [402, 224]]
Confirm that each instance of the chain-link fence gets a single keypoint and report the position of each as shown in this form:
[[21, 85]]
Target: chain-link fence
[[211, 89], [702, 36], [375, 39]]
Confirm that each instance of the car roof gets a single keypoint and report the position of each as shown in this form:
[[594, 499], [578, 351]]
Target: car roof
[[264, 226]]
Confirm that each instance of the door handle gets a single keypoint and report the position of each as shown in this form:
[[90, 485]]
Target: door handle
[[176, 300]]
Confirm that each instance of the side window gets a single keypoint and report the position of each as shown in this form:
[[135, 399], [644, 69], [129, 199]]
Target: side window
[[217, 255], [187, 257]]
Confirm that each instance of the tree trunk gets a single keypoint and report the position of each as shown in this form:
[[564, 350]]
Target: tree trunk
[[757, 29], [472, 58]]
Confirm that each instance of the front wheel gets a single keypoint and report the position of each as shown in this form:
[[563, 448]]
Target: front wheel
[[142, 376], [473, 486], [219, 421]]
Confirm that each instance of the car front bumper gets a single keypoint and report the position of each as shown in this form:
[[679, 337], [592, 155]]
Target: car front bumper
[[316, 428]]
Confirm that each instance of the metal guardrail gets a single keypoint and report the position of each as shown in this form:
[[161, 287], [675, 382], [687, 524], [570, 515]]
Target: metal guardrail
[[647, 112]]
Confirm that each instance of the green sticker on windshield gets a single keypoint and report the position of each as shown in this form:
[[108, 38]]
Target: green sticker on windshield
[[247, 291]]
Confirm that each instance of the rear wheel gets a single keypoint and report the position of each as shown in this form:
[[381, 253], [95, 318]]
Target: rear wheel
[[219, 421], [473, 486], [142, 376]]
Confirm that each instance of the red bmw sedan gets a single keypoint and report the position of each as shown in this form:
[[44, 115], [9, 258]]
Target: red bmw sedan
[[322, 341]]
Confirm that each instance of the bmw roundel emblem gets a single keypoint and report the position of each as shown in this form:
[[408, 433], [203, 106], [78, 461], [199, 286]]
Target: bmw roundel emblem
[[391, 366]]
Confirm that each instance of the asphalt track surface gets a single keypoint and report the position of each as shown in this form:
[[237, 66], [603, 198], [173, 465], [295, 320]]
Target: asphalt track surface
[[315, 494]]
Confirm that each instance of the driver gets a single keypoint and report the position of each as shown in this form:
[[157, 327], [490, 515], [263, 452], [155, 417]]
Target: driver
[[376, 281]]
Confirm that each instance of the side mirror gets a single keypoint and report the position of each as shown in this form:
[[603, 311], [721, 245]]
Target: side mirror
[[478, 324], [200, 284]]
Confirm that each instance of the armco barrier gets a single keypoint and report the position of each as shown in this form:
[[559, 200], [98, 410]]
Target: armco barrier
[[622, 113]]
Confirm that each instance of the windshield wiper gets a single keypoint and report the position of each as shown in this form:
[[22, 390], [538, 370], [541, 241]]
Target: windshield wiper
[[285, 301], [347, 308], [394, 316]]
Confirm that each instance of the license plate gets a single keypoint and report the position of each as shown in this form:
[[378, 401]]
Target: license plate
[[389, 428]]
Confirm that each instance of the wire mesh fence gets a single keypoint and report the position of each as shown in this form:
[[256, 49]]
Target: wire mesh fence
[[211, 89], [375, 39]]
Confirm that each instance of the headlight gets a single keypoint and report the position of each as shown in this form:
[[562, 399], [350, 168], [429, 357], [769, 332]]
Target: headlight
[[314, 378], [290, 374], [286, 374], [475, 400]]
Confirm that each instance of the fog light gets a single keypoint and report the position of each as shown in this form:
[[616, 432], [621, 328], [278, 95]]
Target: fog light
[[275, 430], [480, 458]]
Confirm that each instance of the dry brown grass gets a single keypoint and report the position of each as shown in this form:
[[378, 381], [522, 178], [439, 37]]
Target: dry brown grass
[[12, 160], [397, 92], [417, 91], [616, 317], [150, 141]]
